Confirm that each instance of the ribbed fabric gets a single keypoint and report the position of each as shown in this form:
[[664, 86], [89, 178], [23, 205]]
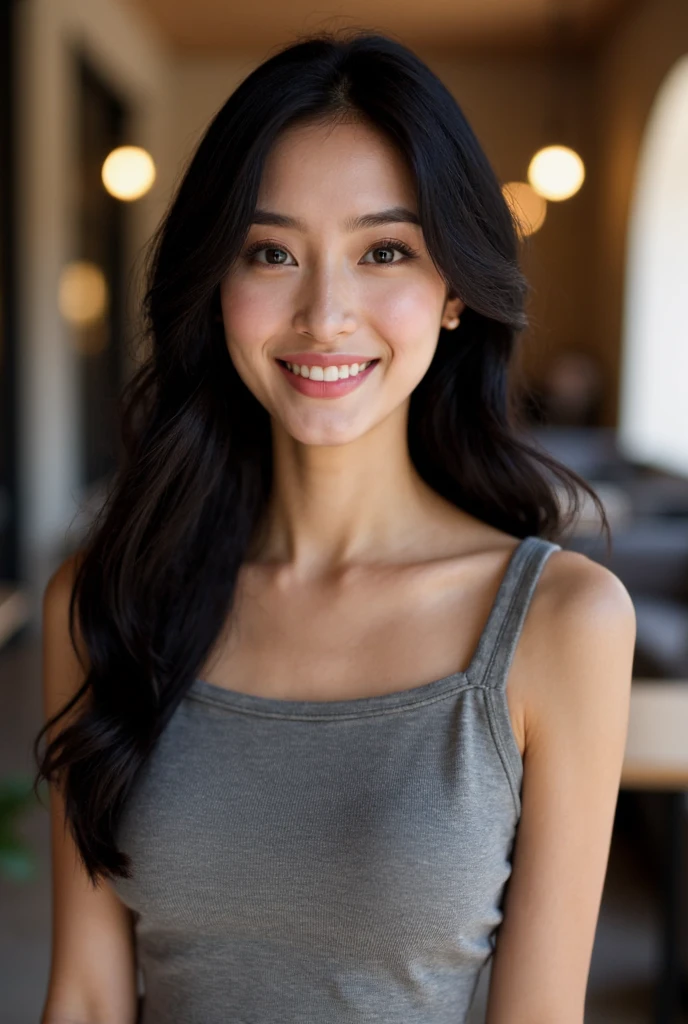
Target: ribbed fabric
[[339, 862]]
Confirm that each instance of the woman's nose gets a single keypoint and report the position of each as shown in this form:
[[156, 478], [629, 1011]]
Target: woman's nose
[[325, 307]]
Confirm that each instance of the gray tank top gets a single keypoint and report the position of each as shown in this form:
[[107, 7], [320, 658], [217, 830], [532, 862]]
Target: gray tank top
[[303, 862]]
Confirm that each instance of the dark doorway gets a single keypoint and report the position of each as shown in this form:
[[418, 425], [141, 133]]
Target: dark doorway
[[102, 119]]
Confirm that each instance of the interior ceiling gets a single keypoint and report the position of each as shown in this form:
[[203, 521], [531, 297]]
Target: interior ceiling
[[513, 25]]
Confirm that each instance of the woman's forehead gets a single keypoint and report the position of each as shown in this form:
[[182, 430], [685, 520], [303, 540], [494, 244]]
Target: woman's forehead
[[352, 175]]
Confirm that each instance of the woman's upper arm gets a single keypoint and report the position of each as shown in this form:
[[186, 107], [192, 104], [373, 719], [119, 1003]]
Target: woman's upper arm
[[93, 966], [576, 721]]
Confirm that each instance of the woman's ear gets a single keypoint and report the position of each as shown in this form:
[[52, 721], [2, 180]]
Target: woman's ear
[[453, 308]]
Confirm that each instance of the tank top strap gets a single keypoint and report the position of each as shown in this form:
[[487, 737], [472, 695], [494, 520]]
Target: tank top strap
[[497, 644]]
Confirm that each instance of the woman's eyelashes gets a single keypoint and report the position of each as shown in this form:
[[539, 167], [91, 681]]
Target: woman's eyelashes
[[387, 244]]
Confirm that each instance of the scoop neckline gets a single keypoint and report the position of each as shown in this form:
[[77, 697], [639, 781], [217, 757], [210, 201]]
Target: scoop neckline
[[252, 703]]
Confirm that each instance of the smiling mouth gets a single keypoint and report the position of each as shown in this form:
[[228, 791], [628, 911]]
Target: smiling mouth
[[317, 389]]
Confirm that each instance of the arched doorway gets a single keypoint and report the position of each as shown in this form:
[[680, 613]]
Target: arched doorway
[[653, 416]]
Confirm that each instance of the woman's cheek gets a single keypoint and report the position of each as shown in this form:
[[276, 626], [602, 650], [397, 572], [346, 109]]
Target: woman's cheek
[[408, 313], [249, 323]]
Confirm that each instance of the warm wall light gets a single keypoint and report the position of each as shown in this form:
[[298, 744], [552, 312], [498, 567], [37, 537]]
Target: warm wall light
[[128, 172], [82, 293], [527, 207], [556, 172]]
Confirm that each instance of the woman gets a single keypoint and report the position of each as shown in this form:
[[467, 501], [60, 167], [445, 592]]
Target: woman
[[291, 770]]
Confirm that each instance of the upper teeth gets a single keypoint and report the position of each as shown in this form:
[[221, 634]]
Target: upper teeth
[[328, 372]]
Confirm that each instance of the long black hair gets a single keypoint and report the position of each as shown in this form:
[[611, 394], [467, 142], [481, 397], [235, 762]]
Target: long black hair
[[157, 576]]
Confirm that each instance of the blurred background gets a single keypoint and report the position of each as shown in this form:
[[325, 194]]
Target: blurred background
[[582, 107]]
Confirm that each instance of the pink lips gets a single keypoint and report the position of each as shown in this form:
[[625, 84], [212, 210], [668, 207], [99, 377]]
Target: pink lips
[[326, 388]]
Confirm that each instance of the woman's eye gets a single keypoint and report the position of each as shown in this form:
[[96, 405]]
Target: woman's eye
[[271, 249], [387, 249]]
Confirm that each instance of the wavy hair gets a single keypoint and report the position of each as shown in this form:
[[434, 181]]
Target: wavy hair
[[157, 578]]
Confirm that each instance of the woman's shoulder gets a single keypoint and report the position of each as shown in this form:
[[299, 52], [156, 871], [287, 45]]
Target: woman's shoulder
[[57, 596], [580, 642], [577, 593], [63, 577]]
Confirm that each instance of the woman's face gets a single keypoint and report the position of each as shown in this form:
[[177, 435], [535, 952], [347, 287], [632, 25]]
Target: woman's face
[[321, 286]]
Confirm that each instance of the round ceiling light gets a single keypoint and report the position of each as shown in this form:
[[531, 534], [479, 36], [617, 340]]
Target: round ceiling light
[[128, 172], [82, 293], [556, 172]]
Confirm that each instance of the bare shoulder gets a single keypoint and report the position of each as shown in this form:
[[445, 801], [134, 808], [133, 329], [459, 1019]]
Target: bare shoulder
[[56, 601], [58, 590], [580, 641], [584, 631], [62, 579], [579, 587]]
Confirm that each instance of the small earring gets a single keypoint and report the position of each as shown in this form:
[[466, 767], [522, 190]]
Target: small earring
[[454, 322]]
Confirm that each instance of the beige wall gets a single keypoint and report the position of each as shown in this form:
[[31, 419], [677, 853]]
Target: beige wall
[[629, 72]]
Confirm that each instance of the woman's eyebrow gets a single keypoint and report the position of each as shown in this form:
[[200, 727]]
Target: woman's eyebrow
[[394, 215]]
